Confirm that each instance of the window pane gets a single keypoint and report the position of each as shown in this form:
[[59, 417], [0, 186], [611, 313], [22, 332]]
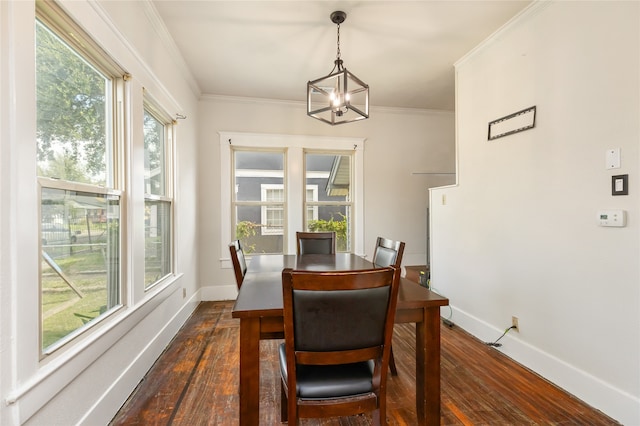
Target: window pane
[[251, 233], [154, 156], [332, 174], [253, 169], [80, 265], [72, 114], [329, 208], [157, 250], [338, 221]]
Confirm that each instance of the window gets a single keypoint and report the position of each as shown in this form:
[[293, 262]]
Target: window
[[77, 86], [259, 200], [158, 201], [332, 211], [289, 184]]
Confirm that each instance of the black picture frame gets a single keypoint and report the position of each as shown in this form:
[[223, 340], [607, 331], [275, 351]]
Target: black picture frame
[[513, 123], [620, 185]]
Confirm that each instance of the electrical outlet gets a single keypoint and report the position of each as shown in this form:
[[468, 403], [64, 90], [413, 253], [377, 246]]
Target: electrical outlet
[[184, 293], [514, 323]]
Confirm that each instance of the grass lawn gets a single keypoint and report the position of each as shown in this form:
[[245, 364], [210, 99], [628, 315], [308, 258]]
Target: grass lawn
[[63, 309]]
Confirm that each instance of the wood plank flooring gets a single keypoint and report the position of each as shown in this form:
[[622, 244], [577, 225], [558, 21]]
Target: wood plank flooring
[[195, 382]]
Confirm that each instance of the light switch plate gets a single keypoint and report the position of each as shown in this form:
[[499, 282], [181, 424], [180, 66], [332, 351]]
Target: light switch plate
[[613, 158]]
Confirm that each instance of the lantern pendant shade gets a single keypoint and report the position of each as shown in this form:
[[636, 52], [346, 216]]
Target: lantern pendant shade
[[339, 97]]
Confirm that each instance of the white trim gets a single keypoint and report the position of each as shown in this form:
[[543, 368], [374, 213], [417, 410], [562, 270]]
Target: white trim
[[534, 7], [590, 389], [404, 111], [294, 178]]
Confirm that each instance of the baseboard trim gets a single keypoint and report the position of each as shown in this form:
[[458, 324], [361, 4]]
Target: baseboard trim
[[116, 395], [219, 292], [617, 404]]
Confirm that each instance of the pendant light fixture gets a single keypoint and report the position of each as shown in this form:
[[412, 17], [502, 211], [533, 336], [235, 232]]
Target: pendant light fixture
[[339, 97]]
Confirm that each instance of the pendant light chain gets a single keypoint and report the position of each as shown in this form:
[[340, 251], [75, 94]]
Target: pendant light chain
[[338, 53]]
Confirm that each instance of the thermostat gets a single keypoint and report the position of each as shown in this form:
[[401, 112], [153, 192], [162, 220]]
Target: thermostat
[[612, 218]]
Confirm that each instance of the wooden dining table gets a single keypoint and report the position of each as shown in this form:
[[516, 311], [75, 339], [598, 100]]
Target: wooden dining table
[[259, 308]]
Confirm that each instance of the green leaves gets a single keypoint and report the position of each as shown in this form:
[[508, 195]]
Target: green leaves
[[71, 112]]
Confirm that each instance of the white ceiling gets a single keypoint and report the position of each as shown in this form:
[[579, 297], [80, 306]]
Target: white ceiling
[[404, 50]]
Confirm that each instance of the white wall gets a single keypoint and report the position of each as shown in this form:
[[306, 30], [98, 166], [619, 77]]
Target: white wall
[[518, 236], [398, 142], [88, 382]]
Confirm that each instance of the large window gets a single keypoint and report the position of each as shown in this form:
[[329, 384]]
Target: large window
[[289, 184], [158, 201], [77, 86]]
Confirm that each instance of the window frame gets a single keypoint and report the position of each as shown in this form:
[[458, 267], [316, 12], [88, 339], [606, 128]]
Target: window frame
[[82, 44], [150, 107], [235, 203], [294, 179], [316, 204]]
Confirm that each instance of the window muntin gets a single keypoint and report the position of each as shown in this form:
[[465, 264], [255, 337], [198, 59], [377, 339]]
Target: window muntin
[[80, 235], [259, 200], [331, 172], [158, 203]]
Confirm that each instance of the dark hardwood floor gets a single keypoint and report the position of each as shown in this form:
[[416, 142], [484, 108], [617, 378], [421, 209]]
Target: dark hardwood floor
[[195, 382]]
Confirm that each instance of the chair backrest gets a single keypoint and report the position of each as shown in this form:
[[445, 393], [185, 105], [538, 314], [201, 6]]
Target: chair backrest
[[388, 252], [239, 263], [339, 317], [315, 243]]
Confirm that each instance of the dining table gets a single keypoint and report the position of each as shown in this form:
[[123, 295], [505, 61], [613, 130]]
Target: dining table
[[259, 307]]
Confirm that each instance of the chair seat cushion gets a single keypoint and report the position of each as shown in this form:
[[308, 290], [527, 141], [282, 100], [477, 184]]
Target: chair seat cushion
[[330, 381]]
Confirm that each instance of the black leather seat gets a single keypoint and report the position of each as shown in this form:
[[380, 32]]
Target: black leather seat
[[315, 243], [338, 327]]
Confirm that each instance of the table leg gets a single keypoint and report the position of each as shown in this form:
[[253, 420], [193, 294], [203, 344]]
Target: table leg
[[249, 371], [428, 367]]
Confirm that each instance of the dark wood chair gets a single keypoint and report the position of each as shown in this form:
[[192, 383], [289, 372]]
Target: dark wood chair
[[389, 253], [337, 327], [315, 243], [238, 260]]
